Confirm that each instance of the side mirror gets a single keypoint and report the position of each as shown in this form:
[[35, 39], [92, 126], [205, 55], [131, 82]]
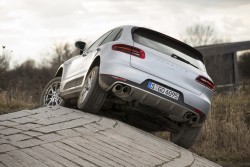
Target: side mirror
[[80, 45]]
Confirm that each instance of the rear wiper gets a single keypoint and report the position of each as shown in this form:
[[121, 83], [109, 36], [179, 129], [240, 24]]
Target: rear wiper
[[183, 60]]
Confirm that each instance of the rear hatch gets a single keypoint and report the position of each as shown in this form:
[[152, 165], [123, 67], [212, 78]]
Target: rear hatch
[[168, 59]]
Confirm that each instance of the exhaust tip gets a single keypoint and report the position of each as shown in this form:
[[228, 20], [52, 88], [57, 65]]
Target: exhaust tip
[[194, 119], [122, 91], [191, 117], [118, 87], [188, 116], [126, 90]]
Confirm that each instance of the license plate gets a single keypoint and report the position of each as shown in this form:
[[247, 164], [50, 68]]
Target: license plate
[[163, 90]]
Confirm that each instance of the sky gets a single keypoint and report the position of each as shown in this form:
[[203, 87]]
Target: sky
[[30, 28]]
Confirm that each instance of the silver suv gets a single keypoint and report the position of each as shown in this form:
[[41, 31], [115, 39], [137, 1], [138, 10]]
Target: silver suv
[[140, 69]]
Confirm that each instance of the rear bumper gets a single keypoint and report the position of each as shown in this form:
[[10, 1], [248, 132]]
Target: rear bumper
[[137, 80], [174, 109]]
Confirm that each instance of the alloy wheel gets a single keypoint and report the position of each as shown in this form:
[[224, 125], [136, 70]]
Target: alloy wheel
[[51, 97], [87, 86]]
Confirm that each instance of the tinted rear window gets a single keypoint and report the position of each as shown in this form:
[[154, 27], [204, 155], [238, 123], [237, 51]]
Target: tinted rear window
[[168, 46]]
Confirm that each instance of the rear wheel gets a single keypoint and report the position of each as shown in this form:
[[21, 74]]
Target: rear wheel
[[91, 97], [186, 136], [50, 95]]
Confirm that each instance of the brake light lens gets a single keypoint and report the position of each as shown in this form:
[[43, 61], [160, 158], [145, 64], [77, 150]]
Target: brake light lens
[[205, 82], [129, 50]]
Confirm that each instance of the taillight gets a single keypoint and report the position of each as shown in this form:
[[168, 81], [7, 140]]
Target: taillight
[[206, 82], [129, 50]]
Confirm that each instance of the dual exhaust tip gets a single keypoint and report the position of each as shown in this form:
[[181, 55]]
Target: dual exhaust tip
[[121, 90], [191, 117]]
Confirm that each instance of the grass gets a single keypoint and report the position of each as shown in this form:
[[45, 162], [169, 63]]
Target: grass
[[15, 101], [22, 94], [225, 136]]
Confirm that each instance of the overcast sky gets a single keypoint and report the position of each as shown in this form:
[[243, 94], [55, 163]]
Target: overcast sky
[[31, 27]]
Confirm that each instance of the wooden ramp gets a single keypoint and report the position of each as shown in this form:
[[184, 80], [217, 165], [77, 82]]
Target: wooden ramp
[[60, 136]]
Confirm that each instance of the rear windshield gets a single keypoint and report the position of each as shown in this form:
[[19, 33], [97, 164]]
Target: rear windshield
[[168, 46]]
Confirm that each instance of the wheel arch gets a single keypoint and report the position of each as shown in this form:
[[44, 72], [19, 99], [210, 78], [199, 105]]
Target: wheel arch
[[59, 72], [96, 62]]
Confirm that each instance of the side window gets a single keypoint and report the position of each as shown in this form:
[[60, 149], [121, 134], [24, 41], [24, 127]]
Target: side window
[[112, 36], [99, 41], [118, 35]]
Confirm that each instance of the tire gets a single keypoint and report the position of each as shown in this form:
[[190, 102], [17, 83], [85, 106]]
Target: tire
[[50, 95], [186, 136], [91, 97]]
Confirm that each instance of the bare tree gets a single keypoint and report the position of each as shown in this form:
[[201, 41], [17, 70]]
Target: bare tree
[[4, 65], [62, 52], [199, 35]]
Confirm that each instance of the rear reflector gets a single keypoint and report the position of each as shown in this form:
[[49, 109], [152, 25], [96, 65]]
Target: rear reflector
[[206, 82], [201, 114], [129, 50], [118, 78]]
